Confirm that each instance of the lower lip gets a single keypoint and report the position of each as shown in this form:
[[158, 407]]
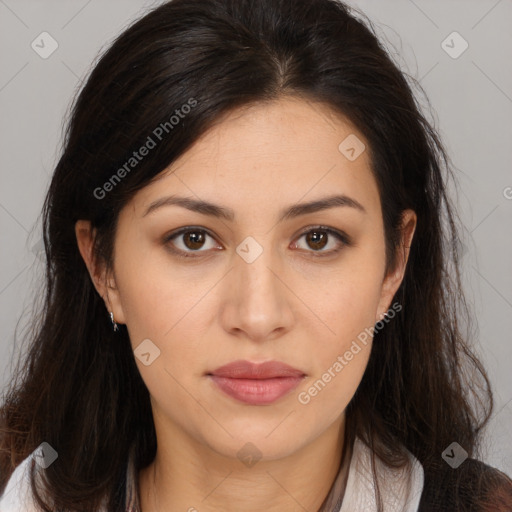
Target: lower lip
[[256, 391]]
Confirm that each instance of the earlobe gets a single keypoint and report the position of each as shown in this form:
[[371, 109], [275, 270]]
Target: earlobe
[[393, 280]]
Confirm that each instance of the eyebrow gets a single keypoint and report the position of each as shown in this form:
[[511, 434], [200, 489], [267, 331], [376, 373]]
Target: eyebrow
[[214, 210]]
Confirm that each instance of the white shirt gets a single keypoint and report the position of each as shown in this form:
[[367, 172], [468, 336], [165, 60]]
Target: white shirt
[[400, 493]]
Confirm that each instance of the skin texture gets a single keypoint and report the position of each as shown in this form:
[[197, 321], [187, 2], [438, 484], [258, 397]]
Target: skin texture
[[286, 305]]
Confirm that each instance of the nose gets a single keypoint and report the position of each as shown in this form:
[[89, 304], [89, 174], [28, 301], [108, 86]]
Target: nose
[[258, 301]]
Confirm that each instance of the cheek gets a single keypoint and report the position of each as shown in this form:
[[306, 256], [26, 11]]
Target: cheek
[[331, 390], [156, 300], [347, 308], [349, 302], [338, 355]]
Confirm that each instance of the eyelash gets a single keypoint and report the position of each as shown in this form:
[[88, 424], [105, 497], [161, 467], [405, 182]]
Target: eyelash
[[342, 237]]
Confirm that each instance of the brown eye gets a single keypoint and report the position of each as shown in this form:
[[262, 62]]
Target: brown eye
[[320, 237], [189, 240], [316, 239], [193, 239]]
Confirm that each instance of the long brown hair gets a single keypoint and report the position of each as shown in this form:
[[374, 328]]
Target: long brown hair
[[422, 382]]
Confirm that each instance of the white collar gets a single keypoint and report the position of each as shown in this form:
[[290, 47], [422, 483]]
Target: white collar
[[400, 491]]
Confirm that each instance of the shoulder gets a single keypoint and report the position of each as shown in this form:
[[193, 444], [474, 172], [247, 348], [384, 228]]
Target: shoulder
[[473, 486], [17, 496]]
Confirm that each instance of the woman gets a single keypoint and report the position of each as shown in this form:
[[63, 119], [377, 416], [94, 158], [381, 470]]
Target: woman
[[253, 297]]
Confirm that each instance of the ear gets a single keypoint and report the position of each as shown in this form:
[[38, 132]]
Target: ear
[[103, 280], [394, 278]]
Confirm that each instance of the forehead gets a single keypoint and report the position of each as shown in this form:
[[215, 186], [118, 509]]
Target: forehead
[[280, 152], [290, 128]]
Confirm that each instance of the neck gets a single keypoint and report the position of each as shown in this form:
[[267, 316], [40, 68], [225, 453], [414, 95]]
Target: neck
[[186, 476]]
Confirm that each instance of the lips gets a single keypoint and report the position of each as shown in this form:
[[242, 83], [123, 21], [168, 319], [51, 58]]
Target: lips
[[248, 370], [256, 384]]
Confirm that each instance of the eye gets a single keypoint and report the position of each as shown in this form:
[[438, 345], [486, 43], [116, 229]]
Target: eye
[[318, 237], [190, 240]]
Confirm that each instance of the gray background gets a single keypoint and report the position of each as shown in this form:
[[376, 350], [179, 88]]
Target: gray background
[[471, 97]]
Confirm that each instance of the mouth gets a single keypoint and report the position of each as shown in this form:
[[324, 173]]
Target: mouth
[[256, 384]]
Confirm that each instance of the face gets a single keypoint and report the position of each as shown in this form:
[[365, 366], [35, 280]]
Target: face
[[255, 284]]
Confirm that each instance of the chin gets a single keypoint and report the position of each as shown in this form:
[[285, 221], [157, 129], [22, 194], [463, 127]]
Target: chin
[[256, 443]]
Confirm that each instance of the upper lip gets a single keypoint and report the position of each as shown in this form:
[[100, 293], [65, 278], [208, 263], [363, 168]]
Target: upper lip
[[247, 370]]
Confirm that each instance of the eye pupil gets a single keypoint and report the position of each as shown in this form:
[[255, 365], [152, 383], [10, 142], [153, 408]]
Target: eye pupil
[[196, 238], [316, 239]]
